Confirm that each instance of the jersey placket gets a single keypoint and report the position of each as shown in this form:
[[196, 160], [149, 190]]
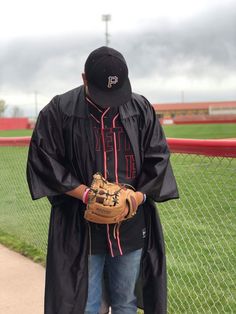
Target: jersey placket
[[112, 233], [105, 172]]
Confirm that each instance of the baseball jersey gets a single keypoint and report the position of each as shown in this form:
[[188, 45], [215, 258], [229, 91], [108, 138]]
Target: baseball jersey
[[115, 160]]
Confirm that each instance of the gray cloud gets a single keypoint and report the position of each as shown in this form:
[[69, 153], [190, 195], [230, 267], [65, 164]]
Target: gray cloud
[[29, 62], [203, 47]]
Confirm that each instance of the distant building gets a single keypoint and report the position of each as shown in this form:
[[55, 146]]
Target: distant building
[[172, 110], [197, 112]]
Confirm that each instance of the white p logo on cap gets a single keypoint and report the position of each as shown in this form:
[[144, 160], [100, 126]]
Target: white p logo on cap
[[112, 80]]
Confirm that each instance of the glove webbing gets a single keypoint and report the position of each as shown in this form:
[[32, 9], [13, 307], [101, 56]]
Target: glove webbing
[[100, 196]]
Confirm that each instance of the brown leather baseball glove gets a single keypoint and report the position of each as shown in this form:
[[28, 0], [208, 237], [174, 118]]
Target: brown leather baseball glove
[[108, 202]]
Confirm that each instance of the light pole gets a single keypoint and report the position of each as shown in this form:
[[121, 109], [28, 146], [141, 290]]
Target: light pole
[[106, 18]]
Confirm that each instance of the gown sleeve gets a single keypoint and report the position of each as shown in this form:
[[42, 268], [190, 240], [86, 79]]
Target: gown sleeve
[[156, 178], [48, 172]]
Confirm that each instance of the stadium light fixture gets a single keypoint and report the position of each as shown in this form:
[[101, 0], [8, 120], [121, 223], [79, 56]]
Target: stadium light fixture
[[106, 18]]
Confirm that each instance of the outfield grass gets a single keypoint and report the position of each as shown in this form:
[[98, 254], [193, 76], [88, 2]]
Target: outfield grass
[[200, 233], [15, 133], [201, 131]]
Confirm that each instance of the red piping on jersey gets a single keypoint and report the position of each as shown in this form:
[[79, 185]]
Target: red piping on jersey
[[118, 240], [95, 118], [105, 170], [93, 104], [109, 240]]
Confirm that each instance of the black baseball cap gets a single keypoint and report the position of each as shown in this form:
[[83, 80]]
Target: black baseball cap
[[106, 73]]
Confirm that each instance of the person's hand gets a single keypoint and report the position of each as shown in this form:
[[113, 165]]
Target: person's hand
[[109, 202], [138, 196], [135, 199]]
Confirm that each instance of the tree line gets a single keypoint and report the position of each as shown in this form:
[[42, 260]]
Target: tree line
[[15, 112]]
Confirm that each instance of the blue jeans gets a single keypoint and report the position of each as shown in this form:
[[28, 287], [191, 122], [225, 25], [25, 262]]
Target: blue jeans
[[122, 276]]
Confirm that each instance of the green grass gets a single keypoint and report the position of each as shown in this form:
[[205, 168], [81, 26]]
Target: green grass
[[17, 211], [14, 243], [201, 131], [15, 133], [200, 236]]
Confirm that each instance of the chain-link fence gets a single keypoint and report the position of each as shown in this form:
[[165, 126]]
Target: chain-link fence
[[200, 228]]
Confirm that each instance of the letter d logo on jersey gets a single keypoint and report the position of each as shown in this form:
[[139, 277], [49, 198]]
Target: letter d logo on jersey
[[112, 80]]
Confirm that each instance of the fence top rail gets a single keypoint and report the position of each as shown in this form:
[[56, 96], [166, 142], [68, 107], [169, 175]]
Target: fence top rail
[[218, 148], [15, 141]]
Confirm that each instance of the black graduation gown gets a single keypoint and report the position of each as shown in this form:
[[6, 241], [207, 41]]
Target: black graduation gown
[[61, 156]]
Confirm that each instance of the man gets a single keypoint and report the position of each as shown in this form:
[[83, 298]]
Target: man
[[103, 127]]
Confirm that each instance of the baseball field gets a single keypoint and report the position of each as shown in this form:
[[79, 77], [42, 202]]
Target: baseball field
[[203, 131], [199, 228]]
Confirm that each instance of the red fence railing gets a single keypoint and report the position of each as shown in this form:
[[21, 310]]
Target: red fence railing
[[221, 148]]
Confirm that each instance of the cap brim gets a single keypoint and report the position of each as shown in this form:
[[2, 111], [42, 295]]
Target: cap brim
[[113, 98]]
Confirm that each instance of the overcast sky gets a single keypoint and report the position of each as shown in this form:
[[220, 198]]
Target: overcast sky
[[175, 49]]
